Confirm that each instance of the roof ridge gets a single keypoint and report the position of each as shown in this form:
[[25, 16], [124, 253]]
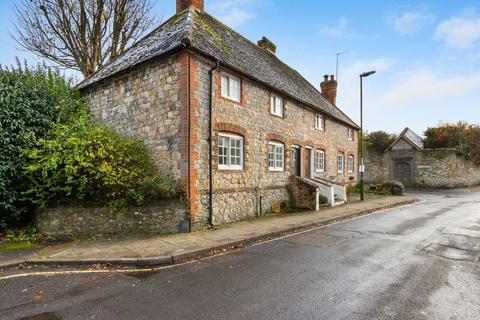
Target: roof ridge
[[135, 45]]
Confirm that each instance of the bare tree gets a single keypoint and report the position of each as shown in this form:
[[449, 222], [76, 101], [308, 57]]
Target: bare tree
[[81, 34]]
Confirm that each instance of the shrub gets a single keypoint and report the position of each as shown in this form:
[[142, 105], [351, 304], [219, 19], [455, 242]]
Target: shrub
[[462, 136], [394, 187], [31, 101], [85, 162]]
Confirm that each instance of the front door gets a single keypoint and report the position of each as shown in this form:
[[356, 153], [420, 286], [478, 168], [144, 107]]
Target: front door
[[308, 163], [295, 166]]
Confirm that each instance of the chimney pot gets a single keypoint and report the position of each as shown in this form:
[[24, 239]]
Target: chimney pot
[[267, 45], [329, 88], [185, 4]]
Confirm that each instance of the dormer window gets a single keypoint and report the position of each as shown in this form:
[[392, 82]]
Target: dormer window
[[276, 105], [320, 122], [231, 87]]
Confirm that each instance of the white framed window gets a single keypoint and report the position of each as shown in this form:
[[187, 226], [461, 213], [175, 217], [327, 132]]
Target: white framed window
[[276, 105], [230, 152], [231, 87], [351, 134], [276, 156], [350, 163], [340, 163], [320, 122], [319, 161]]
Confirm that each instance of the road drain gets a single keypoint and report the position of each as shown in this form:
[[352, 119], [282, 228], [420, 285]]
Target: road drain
[[43, 316], [452, 253]]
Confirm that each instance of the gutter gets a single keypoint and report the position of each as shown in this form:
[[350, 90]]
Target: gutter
[[210, 143]]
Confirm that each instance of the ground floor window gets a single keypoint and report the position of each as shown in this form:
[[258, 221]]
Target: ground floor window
[[230, 152], [319, 161], [276, 156], [340, 163], [350, 164]]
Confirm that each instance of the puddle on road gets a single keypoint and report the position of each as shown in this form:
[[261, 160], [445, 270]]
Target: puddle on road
[[43, 316], [452, 253]]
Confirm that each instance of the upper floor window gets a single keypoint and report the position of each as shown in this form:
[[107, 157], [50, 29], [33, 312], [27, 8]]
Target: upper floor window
[[319, 161], [350, 164], [340, 163], [276, 156], [231, 87], [320, 122], [230, 152], [276, 105], [351, 134]]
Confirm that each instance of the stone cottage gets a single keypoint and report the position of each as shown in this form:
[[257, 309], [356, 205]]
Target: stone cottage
[[226, 117], [408, 161]]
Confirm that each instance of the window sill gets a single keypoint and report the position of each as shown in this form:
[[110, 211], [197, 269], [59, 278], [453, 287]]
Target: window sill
[[277, 115], [275, 170], [232, 100]]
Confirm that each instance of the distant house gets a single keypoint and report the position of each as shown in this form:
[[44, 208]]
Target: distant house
[[408, 161], [226, 117]]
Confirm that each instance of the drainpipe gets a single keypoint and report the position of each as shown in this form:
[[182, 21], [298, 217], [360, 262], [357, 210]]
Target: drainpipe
[[210, 144]]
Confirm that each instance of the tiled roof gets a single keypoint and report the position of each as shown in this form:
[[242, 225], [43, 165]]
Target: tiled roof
[[411, 137], [200, 31]]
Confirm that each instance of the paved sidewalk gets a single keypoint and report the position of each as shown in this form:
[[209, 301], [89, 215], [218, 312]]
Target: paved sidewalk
[[175, 248]]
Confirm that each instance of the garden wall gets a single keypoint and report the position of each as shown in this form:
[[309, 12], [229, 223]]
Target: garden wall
[[435, 168], [160, 218]]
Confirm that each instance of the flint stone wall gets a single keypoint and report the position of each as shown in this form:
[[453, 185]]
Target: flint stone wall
[[237, 193], [164, 217]]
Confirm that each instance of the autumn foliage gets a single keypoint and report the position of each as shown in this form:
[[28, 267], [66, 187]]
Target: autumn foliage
[[463, 136]]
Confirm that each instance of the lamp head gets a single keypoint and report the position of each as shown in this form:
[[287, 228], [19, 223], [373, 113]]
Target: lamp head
[[366, 74]]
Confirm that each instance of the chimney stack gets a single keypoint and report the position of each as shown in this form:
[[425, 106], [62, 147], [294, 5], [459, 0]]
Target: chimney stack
[[185, 4], [329, 89], [267, 45]]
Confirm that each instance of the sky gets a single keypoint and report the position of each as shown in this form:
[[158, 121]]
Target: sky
[[426, 53]]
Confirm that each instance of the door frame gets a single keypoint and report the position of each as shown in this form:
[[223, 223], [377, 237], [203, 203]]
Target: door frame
[[309, 173]]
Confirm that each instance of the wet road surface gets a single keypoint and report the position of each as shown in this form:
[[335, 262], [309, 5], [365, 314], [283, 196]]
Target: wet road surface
[[416, 262]]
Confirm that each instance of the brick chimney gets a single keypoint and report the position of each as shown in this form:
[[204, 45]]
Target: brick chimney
[[329, 88], [185, 4], [267, 45]]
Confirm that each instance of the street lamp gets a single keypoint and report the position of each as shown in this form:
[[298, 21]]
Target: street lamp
[[362, 165]]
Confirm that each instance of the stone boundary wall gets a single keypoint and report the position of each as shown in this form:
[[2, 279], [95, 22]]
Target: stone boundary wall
[[78, 222], [433, 168]]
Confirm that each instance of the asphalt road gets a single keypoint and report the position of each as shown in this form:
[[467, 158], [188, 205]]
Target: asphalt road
[[416, 262]]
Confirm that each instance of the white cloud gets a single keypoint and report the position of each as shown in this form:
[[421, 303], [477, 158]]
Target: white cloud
[[234, 13], [348, 80], [424, 86], [460, 32], [410, 21], [341, 30]]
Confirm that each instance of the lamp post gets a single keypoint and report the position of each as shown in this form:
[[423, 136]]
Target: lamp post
[[362, 166]]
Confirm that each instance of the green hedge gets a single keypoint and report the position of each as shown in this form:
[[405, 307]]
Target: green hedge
[[31, 101], [86, 162]]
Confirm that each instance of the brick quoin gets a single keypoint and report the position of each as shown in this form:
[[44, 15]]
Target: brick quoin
[[188, 71]]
